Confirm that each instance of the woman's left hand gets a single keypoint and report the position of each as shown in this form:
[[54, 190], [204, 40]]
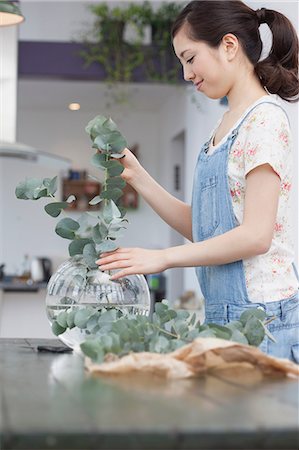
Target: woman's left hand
[[133, 261]]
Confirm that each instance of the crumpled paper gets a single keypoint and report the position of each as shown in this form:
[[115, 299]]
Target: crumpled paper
[[201, 357]]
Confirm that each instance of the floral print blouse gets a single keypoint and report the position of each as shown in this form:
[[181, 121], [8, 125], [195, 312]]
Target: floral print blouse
[[264, 137]]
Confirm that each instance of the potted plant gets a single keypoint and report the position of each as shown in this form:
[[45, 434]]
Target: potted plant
[[79, 288]]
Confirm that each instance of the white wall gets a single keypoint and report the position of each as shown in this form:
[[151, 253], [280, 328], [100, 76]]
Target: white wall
[[55, 20], [26, 228]]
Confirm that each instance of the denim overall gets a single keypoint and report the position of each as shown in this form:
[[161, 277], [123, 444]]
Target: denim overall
[[223, 286]]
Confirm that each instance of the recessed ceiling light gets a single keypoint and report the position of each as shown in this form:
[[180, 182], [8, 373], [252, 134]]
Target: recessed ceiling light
[[74, 106]]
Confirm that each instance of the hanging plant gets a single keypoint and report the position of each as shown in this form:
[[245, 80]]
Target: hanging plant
[[125, 61], [108, 47]]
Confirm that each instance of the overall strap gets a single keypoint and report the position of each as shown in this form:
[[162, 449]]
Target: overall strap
[[295, 270], [236, 130]]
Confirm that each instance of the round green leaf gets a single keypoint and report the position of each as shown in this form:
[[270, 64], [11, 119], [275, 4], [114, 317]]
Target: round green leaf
[[66, 228], [54, 209], [57, 329], [98, 159], [116, 182], [112, 194], [76, 247], [90, 256], [97, 199], [254, 331]]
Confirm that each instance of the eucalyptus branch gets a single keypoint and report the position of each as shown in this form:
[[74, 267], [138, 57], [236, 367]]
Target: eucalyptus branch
[[104, 135], [119, 332]]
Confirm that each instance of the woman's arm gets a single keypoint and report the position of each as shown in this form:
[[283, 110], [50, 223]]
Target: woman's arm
[[251, 238], [174, 212]]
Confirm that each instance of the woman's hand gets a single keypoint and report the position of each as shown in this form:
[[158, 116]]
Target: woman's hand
[[132, 167], [133, 261]]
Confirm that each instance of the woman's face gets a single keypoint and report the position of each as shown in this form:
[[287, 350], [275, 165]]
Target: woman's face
[[205, 66]]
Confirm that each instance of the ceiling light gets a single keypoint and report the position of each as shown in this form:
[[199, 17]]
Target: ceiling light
[[10, 14], [74, 106]]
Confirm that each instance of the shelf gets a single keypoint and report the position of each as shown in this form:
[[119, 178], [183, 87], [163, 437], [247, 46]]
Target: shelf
[[84, 191]]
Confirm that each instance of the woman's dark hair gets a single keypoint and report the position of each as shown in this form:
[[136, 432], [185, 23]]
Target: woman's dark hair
[[209, 21]]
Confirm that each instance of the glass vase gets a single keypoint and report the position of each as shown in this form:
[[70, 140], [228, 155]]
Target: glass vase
[[74, 286]]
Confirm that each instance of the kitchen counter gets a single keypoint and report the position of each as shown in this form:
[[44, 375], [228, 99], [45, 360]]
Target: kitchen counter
[[16, 285], [49, 402]]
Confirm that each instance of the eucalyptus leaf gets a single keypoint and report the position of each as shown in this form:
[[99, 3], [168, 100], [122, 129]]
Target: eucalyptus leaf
[[98, 159], [90, 255], [30, 189], [76, 247], [99, 233], [54, 209], [114, 168], [254, 331], [111, 211], [252, 312], [94, 126], [61, 319], [57, 329], [82, 316], [71, 199], [116, 182], [46, 182], [112, 194], [111, 141], [66, 228], [107, 246], [53, 186], [221, 332], [239, 337], [93, 348], [20, 191], [40, 192], [95, 200], [70, 319]]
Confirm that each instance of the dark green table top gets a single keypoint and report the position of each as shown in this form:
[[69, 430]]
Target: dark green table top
[[49, 402]]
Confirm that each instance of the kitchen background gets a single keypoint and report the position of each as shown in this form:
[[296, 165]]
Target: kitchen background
[[167, 123]]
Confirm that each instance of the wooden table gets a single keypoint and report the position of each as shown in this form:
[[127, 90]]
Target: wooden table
[[49, 402]]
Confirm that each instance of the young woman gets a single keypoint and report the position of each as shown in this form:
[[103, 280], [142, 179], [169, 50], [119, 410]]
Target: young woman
[[239, 220]]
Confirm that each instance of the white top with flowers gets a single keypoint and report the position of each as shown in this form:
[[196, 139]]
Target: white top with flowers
[[264, 137]]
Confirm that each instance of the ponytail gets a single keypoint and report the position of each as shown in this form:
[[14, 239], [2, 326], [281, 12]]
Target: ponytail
[[278, 72]]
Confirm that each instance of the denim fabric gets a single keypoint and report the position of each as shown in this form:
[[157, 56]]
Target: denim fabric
[[223, 286]]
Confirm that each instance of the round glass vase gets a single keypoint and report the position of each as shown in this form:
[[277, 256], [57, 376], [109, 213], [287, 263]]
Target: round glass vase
[[74, 287]]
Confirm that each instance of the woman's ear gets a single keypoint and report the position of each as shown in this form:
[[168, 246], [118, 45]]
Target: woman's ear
[[230, 45]]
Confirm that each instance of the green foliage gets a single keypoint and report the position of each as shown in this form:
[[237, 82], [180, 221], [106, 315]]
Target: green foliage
[[54, 209], [35, 188], [117, 331], [88, 238], [106, 43]]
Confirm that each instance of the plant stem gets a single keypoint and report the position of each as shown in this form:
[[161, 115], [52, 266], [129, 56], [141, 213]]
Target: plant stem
[[270, 320], [168, 333]]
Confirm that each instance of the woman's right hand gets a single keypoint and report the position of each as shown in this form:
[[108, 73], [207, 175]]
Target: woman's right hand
[[132, 167]]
